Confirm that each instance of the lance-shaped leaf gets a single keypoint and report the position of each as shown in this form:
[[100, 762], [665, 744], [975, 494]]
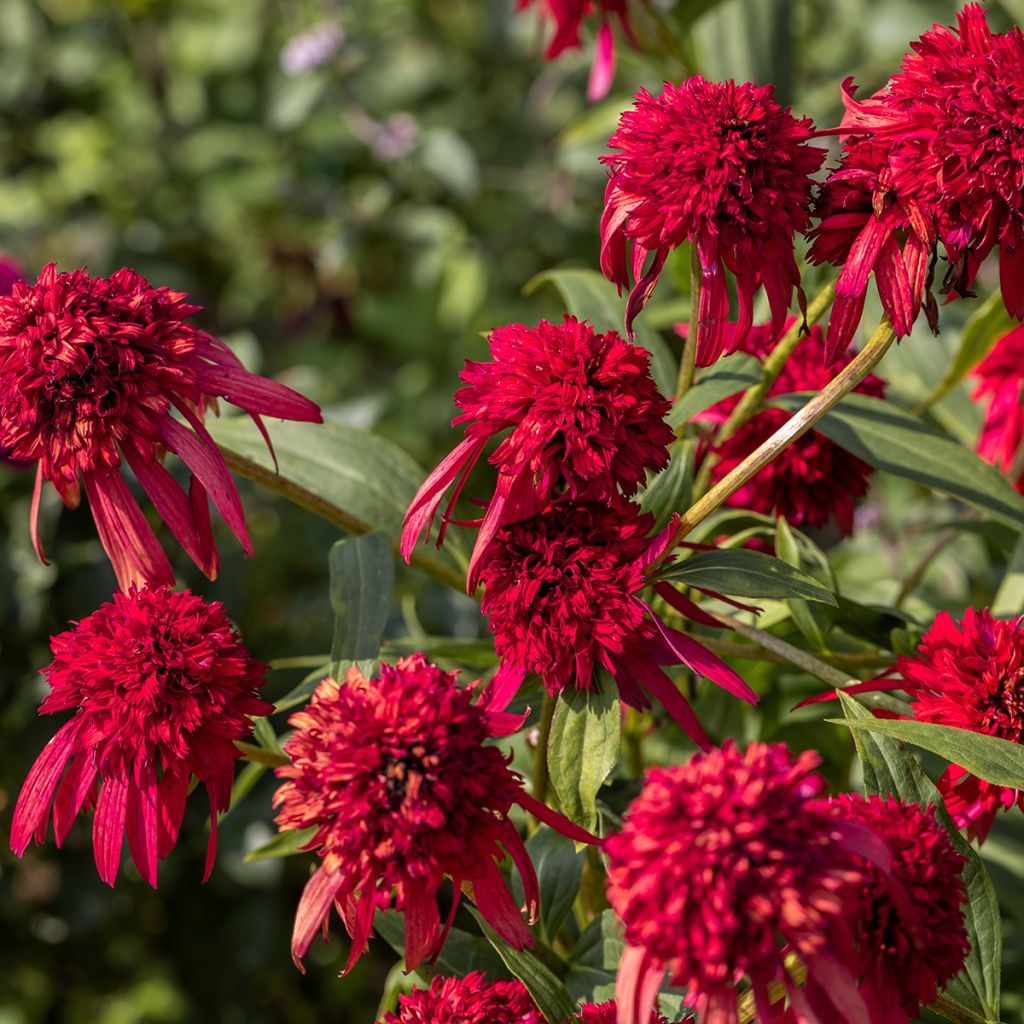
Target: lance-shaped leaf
[[362, 575], [725, 378]]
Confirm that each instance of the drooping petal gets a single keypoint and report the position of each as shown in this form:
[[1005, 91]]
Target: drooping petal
[[314, 909], [559, 822], [33, 804], [37, 493], [644, 288], [713, 308], [142, 820], [422, 926], [602, 72], [172, 792], [637, 983], [361, 926], [72, 792], [513, 842], [894, 287], [492, 898], [665, 692], [1011, 279], [108, 826]]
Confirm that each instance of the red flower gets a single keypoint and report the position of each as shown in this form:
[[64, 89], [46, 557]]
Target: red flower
[[723, 166], [161, 687], [91, 370], [947, 147], [395, 776], [585, 418], [561, 590], [607, 1013], [1000, 378], [910, 946], [469, 1000], [814, 480], [970, 674], [722, 867]]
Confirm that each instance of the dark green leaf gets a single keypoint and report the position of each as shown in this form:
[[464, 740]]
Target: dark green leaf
[[889, 769], [460, 954], [547, 991], [874, 623], [362, 575], [595, 959], [744, 573], [357, 480], [891, 440], [727, 377], [583, 747], [995, 760], [987, 323], [670, 490], [588, 295], [811, 619], [284, 844]]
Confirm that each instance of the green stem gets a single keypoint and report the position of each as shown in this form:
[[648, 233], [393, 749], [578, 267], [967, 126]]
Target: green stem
[[540, 754], [753, 398], [687, 362], [796, 426], [837, 659], [260, 755]]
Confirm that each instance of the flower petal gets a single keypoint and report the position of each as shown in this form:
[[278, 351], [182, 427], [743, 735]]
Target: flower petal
[[30, 811], [108, 825]]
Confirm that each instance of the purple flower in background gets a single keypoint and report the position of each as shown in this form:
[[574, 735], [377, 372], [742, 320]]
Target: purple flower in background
[[308, 50]]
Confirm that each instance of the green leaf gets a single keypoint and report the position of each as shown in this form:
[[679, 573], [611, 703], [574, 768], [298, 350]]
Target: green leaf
[[889, 439], [995, 760], [362, 576], [547, 991], [1009, 599], [889, 769], [300, 694], [813, 621], [559, 868], [469, 652], [669, 491], [359, 481], [986, 325], [284, 844], [744, 573], [725, 378], [589, 296], [595, 959], [460, 954], [583, 747], [874, 623], [265, 736]]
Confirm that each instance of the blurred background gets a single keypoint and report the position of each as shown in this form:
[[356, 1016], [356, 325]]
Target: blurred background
[[354, 191]]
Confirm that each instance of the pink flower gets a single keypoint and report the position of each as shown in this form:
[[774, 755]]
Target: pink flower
[[723, 166], [397, 779], [568, 16], [584, 416], [813, 481], [970, 674], [561, 592], [913, 943], [943, 164], [91, 370], [1000, 377], [161, 687], [469, 1000], [722, 867]]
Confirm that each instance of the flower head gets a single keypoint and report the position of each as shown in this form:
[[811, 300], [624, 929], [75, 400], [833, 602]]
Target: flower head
[[908, 947], [584, 415], [561, 595], [469, 1000], [161, 687], [814, 480], [723, 166], [1000, 377], [397, 779], [722, 867], [568, 16], [970, 674], [91, 371]]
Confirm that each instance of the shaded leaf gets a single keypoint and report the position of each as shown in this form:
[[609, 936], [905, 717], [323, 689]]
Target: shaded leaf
[[362, 575], [727, 377], [669, 491], [813, 621], [461, 953], [284, 844]]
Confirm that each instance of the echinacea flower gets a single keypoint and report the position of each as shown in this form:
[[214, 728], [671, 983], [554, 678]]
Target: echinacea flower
[[942, 161], [723, 166], [568, 16], [814, 480], [908, 947], [395, 775], [723, 866], [970, 674], [584, 418], [160, 688], [561, 592], [469, 1000], [1000, 377], [91, 371]]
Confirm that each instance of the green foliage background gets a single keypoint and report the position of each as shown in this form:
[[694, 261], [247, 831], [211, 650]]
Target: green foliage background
[[354, 229]]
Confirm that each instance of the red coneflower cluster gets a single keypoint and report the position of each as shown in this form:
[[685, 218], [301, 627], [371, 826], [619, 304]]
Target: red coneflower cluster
[[395, 776], [1000, 377], [814, 480], [469, 1000], [970, 674], [569, 16], [92, 372], [724, 167], [933, 157], [160, 688]]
